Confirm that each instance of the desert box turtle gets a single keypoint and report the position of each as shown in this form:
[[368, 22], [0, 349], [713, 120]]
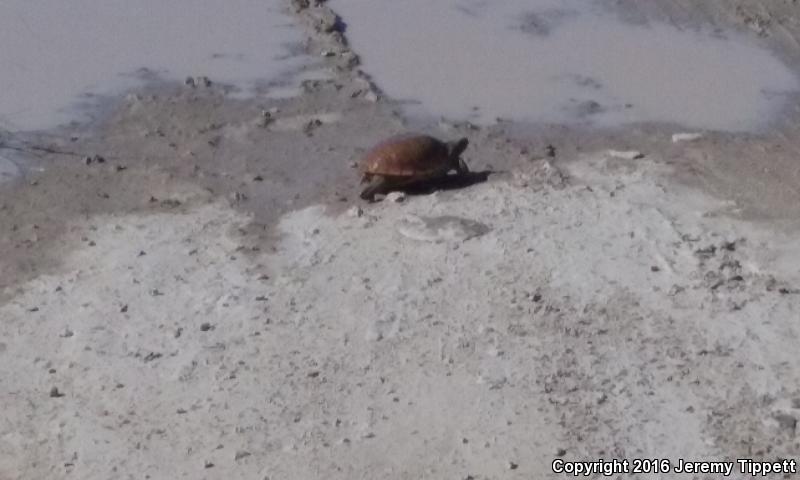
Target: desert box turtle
[[406, 159]]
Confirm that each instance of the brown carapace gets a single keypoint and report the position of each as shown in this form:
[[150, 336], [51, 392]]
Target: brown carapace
[[403, 160]]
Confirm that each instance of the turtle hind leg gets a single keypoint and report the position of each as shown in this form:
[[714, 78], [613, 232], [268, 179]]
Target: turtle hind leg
[[377, 184]]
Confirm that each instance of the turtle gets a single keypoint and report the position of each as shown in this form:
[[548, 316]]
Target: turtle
[[406, 159]]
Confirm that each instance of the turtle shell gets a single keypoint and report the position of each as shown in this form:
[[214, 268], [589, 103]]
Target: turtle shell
[[407, 156]]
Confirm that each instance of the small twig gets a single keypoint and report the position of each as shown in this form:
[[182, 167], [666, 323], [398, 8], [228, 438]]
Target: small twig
[[39, 148], [56, 152]]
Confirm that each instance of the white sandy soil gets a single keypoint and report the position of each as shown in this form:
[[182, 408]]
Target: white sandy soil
[[609, 316]]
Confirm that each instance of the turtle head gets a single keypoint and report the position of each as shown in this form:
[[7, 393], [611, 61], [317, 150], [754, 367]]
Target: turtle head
[[454, 151]]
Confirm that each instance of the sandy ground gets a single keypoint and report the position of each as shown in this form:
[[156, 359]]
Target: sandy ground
[[211, 300]]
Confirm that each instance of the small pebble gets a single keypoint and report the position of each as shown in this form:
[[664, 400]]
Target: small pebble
[[396, 197], [241, 454], [626, 155], [373, 335], [787, 422], [686, 137], [152, 356], [199, 81], [355, 212]]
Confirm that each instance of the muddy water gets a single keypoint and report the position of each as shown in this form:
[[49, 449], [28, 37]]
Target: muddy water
[[56, 55], [561, 62], [8, 170]]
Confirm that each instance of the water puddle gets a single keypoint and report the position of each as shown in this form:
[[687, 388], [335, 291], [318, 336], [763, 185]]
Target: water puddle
[[8, 170], [561, 61], [58, 55]]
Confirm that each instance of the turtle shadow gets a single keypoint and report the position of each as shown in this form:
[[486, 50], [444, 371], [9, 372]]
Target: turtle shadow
[[448, 182]]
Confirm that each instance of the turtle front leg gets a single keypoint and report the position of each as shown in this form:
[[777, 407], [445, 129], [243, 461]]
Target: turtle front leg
[[462, 167], [377, 185]]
